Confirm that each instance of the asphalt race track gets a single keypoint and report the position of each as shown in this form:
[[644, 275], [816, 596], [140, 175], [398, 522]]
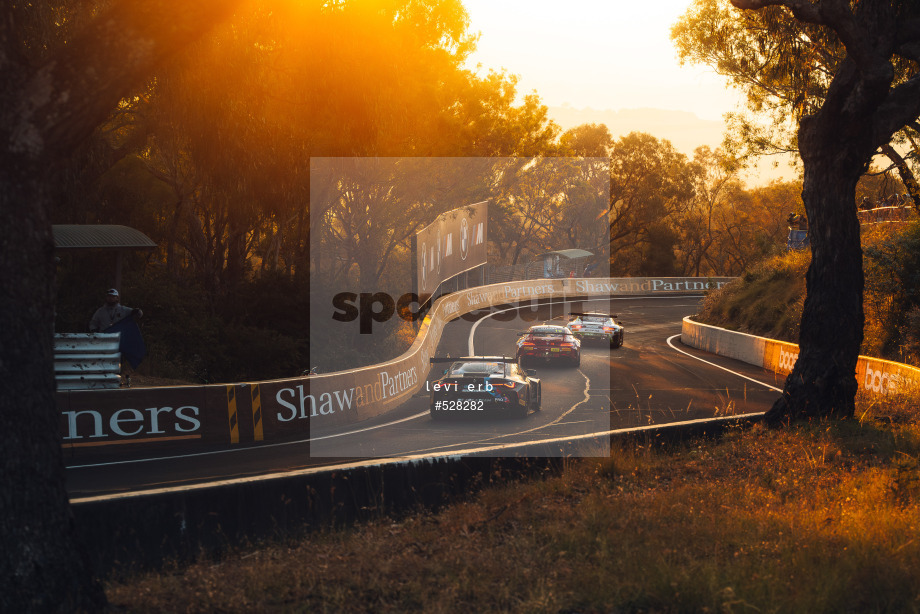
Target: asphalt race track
[[652, 379]]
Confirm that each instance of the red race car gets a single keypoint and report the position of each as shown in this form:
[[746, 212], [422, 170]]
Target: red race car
[[549, 342]]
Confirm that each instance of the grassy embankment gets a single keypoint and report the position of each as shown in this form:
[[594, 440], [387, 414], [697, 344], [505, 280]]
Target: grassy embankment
[[817, 518], [820, 517], [767, 300]]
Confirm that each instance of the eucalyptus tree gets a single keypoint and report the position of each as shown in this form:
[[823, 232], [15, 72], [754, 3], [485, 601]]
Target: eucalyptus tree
[[716, 181], [586, 141], [283, 90], [854, 68], [539, 199], [486, 116], [784, 66], [56, 87], [650, 184], [584, 216]]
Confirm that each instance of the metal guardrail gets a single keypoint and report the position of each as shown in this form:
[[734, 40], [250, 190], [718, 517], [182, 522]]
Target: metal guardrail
[[132, 531], [887, 214], [142, 529], [87, 361], [253, 413]]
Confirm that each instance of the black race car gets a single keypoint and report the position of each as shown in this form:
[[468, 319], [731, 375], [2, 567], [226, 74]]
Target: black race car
[[492, 385]]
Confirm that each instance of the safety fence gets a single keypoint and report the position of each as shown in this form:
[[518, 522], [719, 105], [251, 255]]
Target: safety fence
[[874, 375], [134, 421], [887, 214], [87, 360]]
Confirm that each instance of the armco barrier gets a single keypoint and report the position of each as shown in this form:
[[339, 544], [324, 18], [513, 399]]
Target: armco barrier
[[87, 361], [135, 421], [874, 375]]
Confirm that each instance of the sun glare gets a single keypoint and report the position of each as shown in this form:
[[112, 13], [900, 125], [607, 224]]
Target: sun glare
[[604, 55]]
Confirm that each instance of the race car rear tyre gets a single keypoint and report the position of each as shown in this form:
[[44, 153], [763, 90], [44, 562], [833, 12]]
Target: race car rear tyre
[[523, 410], [536, 405]]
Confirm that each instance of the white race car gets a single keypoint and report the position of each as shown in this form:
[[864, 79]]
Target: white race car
[[594, 326]]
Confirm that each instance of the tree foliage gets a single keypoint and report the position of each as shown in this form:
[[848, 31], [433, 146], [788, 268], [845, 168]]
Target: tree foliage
[[784, 66], [866, 58], [210, 152], [57, 84]]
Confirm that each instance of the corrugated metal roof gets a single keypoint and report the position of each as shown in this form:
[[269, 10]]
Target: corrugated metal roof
[[570, 253], [99, 236]]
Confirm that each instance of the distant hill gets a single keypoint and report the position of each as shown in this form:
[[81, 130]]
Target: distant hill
[[685, 130]]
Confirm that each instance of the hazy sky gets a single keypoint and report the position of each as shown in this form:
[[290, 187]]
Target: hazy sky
[[613, 54], [609, 55]]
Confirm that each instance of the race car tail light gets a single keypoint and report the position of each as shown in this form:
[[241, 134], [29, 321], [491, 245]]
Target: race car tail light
[[608, 329], [528, 344], [505, 384], [567, 345], [575, 326]]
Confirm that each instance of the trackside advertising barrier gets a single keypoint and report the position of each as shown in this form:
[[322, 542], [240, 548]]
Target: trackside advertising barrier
[[454, 243], [874, 375], [134, 421]]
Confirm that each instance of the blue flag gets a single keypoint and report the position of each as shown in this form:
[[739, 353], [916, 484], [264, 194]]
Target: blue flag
[[131, 346]]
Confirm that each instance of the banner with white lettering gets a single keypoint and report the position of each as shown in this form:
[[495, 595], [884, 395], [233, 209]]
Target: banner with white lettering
[[195, 418], [453, 243]]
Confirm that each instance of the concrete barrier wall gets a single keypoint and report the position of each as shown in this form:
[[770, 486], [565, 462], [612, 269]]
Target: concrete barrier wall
[[746, 348], [779, 356], [886, 377], [874, 375], [135, 421]]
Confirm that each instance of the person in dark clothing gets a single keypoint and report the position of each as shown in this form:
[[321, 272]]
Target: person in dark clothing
[[114, 317], [111, 313]]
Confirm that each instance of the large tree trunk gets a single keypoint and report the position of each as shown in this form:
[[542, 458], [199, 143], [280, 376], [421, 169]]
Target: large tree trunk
[[823, 381], [41, 567], [47, 106], [867, 101]]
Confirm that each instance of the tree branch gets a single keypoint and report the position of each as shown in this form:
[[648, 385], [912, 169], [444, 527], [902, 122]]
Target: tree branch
[[901, 108], [803, 10], [907, 42], [837, 15], [72, 92]]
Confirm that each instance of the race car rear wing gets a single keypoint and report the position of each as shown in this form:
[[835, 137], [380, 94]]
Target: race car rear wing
[[441, 359], [594, 315], [499, 359]]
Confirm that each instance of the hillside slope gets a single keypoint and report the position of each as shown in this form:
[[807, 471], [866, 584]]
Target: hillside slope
[[767, 300]]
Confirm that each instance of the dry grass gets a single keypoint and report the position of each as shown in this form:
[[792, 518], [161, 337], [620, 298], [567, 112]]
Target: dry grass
[[822, 517], [765, 301]]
